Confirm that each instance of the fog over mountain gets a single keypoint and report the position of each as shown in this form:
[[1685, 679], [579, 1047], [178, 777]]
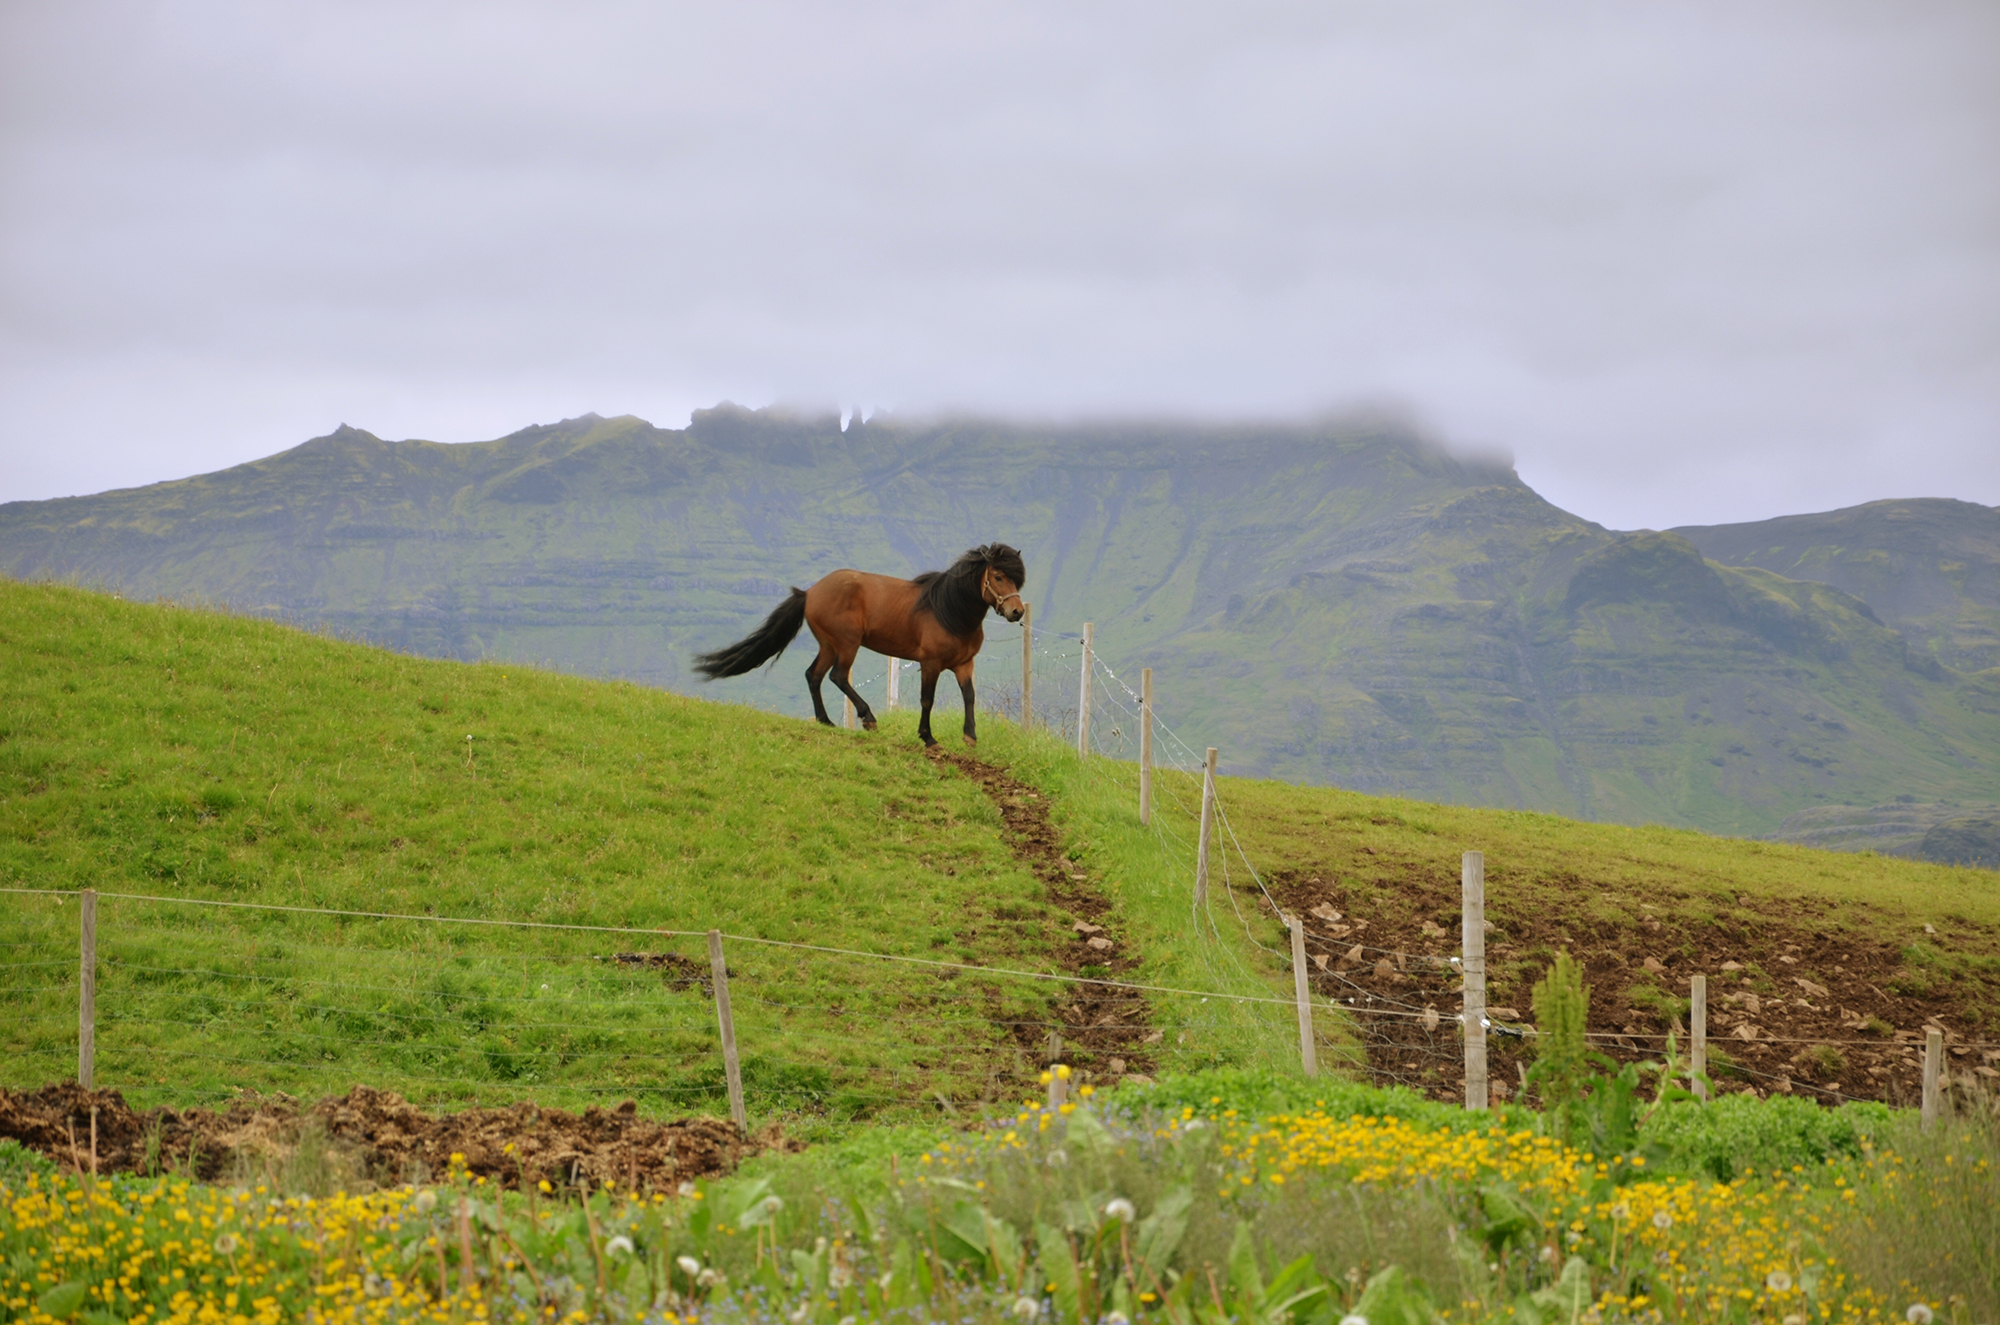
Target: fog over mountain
[[1343, 602], [1690, 263]]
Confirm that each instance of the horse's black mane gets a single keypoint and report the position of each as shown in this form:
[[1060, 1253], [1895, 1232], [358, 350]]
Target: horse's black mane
[[952, 596]]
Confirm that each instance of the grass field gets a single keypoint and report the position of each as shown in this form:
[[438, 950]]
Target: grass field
[[182, 753], [189, 754]]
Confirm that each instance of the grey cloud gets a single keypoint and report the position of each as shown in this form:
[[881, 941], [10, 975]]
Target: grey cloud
[[1688, 262]]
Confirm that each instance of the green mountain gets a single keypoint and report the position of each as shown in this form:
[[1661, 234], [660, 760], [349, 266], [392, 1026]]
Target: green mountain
[[1340, 603], [1930, 568]]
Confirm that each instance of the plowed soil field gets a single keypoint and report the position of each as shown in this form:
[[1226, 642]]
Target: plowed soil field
[[383, 1135]]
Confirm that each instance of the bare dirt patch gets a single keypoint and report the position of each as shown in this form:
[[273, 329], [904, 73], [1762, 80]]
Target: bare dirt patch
[[677, 972], [1105, 1029], [1799, 1003], [392, 1138]]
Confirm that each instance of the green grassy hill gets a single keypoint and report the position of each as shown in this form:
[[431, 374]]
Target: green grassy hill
[[1341, 603], [181, 753]]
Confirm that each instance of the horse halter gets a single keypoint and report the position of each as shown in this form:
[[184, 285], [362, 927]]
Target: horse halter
[[997, 604]]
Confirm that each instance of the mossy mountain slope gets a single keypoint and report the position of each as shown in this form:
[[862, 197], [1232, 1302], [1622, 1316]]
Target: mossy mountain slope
[[1338, 603], [1930, 568]]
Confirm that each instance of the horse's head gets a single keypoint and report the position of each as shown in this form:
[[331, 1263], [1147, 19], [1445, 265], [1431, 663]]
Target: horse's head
[[1000, 583]]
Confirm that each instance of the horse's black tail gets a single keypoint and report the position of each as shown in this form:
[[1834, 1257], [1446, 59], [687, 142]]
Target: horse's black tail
[[760, 645]]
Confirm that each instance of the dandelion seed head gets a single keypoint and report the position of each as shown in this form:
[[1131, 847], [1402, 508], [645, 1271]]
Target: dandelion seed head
[[1663, 1221], [618, 1246], [689, 1265], [427, 1201], [1026, 1308], [1120, 1209], [1778, 1281], [1919, 1314], [226, 1244]]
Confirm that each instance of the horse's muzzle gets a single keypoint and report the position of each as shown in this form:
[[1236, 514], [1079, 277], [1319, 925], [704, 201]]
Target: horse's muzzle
[[1017, 614]]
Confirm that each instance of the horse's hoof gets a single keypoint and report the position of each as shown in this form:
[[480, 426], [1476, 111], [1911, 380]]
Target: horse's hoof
[[971, 743], [868, 726]]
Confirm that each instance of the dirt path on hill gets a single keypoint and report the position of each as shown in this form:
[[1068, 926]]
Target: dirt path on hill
[[1106, 1032], [377, 1136], [1795, 1006]]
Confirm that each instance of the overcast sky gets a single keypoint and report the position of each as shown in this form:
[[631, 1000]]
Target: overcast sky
[[1686, 262]]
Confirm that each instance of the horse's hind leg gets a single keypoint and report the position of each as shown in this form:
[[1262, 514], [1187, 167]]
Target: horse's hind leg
[[841, 670], [815, 673]]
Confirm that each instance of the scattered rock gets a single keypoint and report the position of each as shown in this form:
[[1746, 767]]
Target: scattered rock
[[1817, 991], [1745, 1031], [1432, 930], [1085, 927], [1326, 913], [1654, 965], [1385, 969], [1732, 966], [1431, 1022], [1320, 959], [1504, 1014], [1353, 954], [1101, 944]]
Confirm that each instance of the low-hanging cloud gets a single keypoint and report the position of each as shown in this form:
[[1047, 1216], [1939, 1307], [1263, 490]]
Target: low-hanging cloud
[[1687, 262]]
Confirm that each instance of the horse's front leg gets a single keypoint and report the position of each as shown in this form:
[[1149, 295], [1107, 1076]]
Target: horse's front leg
[[931, 671], [964, 675]]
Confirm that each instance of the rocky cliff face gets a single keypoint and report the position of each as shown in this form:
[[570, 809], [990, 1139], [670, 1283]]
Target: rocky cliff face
[[1339, 603]]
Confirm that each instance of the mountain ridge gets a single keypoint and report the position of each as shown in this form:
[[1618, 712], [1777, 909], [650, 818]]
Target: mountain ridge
[[1342, 601]]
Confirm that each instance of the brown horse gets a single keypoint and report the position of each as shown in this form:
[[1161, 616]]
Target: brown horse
[[935, 619]]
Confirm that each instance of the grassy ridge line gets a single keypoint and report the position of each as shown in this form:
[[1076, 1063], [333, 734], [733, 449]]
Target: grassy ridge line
[[166, 750], [131, 733]]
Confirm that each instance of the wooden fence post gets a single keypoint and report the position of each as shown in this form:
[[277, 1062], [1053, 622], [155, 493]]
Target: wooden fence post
[[847, 713], [1698, 1037], [1308, 1051], [1472, 881], [1145, 745], [86, 1000], [1207, 830], [895, 673], [719, 970], [1083, 700], [1027, 667], [1058, 1085], [1933, 1061]]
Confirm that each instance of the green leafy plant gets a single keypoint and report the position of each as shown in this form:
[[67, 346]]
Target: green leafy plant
[[1563, 1058]]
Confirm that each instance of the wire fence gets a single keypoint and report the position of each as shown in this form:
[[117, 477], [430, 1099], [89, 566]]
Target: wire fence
[[205, 997], [1400, 1007], [212, 996]]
